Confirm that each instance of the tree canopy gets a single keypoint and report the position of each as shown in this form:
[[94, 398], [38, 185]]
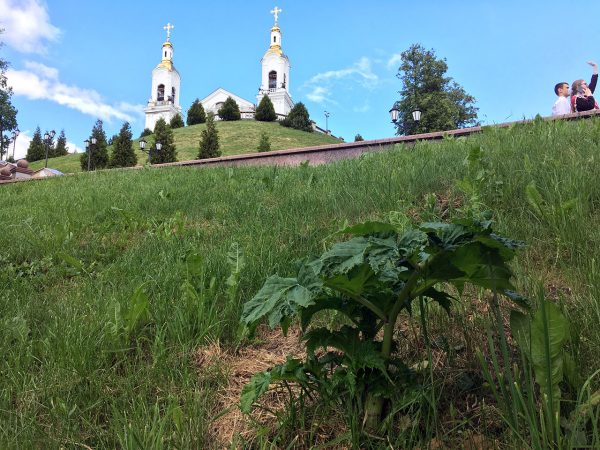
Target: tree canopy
[[36, 149], [123, 154], [8, 113], [209, 140], [298, 118], [163, 134], [229, 110], [196, 113], [444, 104], [98, 152], [176, 121], [265, 112], [60, 149]]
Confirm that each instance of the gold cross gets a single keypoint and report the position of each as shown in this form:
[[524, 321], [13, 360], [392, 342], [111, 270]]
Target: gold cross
[[168, 27], [276, 11]]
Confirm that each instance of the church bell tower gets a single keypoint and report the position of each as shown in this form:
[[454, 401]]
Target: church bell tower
[[164, 98], [276, 73]]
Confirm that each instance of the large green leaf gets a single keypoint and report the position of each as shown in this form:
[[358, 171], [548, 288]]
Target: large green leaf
[[369, 228], [542, 340], [257, 386], [344, 256], [278, 299]]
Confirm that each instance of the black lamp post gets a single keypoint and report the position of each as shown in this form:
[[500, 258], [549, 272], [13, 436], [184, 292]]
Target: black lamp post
[[15, 134], [88, 149], [326, 122], [394, 113], [48, 136], [142, 143], [158, 146]]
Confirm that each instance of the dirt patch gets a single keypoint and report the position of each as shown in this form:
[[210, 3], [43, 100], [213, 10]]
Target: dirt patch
[[271, 348]]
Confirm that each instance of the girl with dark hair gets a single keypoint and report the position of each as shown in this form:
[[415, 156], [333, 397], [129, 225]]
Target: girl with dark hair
[[582, 98]]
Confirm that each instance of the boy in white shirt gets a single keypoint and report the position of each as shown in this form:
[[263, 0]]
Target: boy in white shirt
[[562, 105]]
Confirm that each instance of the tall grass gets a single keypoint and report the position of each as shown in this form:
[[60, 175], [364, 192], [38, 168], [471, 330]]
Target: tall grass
[[76, 249]]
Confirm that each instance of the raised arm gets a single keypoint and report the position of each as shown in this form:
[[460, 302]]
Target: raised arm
[[594, 79]]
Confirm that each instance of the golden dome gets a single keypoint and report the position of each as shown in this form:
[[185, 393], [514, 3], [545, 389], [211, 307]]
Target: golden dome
[[167, 43]]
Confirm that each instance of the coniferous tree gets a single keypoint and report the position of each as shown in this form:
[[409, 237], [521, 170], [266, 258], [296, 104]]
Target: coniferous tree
[[264, 145], [60, 149], [8, 113], [298, 118], [146, 132], [36, 149], [444, 104], [98, 152], [123, 154], [358, 138], [176, 122], [196, 113], [265, 112], [229, 110], [209, 141], [164, 135]]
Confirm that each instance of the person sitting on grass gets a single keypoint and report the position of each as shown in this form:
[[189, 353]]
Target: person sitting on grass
[[582, 98], [561, 105]]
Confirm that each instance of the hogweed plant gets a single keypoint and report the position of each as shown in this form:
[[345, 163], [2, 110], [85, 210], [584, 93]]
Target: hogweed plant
[[371, 279]]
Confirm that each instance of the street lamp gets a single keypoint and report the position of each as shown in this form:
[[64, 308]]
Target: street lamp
[[326, 122], [15, 134], [48, 136], [142, 143], [416, 115], [394, 113], [88, 149]]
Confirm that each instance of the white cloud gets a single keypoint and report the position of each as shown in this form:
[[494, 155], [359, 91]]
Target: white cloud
[[27, 25], [41, 82], [394, 61], [322, 85]]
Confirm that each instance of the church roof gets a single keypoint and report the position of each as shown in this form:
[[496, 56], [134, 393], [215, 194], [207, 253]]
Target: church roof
[[166, 64]]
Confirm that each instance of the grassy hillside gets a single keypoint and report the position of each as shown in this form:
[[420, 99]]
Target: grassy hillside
[[87, 361], [235, 138]]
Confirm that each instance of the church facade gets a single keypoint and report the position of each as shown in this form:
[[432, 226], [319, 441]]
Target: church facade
[[275, 84]]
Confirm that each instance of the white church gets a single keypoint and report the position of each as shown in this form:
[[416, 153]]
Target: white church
[[164, 99]]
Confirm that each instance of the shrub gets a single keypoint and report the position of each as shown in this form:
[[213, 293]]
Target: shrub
[[164, 135], [264, 144], [123, 154], [146, 132], [98, 152], [176, 122], [298, 118], [230, 110], [209, 141], [265, 112], [358, 138]]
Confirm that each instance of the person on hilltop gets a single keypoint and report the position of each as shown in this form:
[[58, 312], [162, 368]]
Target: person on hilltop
[[561, 105], [582, 98]]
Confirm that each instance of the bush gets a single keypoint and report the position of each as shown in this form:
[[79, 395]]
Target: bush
[[230, 110], [209, 141], [358, 138], [265, 112], [176, 122], [146, 132], [36, 149], [264, 144], [196, 114], [298, 118]]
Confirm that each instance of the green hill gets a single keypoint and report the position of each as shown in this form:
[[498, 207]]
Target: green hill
[[112, 282], [235, 138]]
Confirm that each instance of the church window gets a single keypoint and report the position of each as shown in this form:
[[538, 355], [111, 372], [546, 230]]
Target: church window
[[160, 93], [284, 80], [272, 79], [274, 38], [165, 53], [172, 97]]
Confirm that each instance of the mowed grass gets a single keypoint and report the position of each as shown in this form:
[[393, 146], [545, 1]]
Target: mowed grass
[[80, 368], [234, 137]]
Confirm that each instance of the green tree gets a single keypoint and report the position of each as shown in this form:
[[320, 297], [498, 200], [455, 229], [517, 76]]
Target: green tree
[[60, 149], [196, 113], [358, 138], [36, 150], [209, 141], [265, 112], [123, 154], [444, 103], [264, 145], [229, 110], [98, 152], [176, 122], [8, 113], [146, 132], [298, 118], [163, 134]]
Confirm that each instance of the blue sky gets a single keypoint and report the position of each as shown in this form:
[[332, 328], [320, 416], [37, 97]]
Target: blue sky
[[75, 61]]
